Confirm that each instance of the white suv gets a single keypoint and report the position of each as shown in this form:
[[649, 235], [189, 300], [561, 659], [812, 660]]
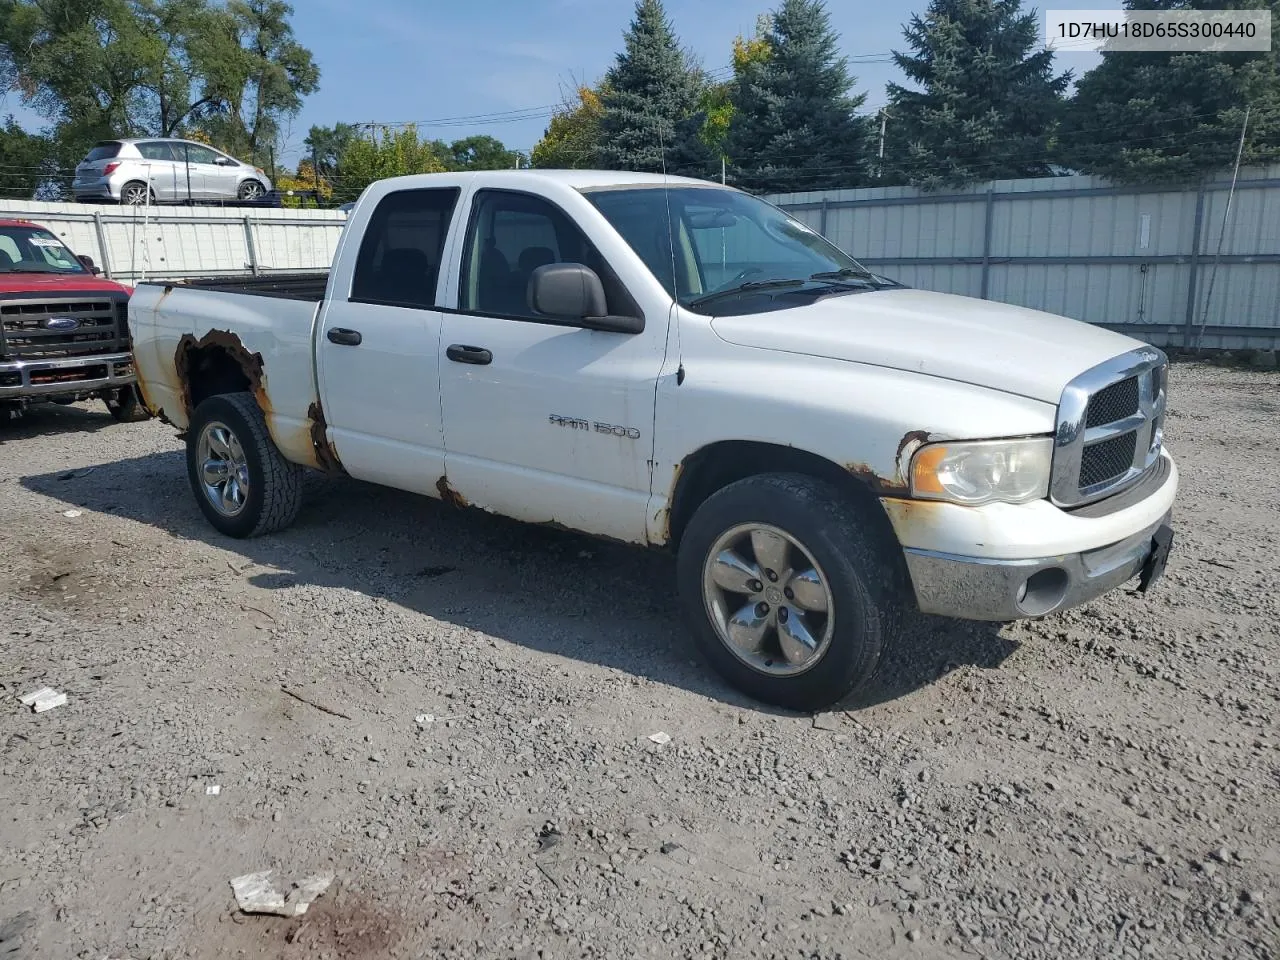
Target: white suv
[[172, 170]]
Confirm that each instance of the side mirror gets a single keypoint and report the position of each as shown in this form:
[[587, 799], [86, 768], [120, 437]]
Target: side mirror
[[86, 261], [573, 292]]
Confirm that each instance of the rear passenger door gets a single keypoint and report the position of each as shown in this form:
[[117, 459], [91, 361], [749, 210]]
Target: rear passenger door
[[378, 348], [161, 170]]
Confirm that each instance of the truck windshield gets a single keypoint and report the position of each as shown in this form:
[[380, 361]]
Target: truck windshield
[[35, 250], [717, 245]]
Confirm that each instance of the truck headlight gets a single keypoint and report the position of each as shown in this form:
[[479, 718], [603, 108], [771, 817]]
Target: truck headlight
[[983, 471]]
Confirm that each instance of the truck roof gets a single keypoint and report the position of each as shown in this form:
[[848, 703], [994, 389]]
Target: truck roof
[[577, 179]]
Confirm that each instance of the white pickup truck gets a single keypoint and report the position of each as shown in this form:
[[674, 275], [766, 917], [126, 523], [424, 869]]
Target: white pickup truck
[[673, 363]]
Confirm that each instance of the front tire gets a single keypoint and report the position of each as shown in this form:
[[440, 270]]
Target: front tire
[[243, 484], [125, 405], [789, 592], [250, 190]]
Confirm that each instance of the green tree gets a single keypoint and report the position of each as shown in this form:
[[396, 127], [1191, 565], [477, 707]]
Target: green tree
[[1173, 117], [24, 167], [794, 125], [649, 91], [572, 140], [111, 68], [716, 103], [326, 144], [384, 153], [257, 72], [482, 152]]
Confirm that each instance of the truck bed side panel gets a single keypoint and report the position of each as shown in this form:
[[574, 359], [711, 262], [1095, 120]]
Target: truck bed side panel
[[268, 337]]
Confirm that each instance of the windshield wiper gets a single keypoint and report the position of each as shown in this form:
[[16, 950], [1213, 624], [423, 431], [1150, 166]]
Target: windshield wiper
[[851, 274], [746, 288], [33, 270]]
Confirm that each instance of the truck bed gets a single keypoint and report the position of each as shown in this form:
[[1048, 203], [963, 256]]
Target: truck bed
[[308, 287]]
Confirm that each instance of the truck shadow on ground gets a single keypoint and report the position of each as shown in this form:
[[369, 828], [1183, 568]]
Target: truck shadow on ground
[[52, 419], [542, 588]]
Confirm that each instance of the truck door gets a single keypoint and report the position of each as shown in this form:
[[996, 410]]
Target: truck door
[[378, 352], [544, 422]]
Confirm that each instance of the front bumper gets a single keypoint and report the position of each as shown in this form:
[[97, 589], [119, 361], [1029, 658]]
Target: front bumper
[[23, 379], [976, 588]]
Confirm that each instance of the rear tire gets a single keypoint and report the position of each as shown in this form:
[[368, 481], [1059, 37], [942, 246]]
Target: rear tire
[[805, 635], [243, 484], [126, 406], [135, 193]]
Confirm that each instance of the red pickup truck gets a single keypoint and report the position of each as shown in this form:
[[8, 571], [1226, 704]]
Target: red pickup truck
[[64, 331]]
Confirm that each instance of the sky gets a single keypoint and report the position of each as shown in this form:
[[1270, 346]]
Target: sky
[[499, 66]]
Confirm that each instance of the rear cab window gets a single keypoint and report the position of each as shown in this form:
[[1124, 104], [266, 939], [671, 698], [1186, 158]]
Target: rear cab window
[[403, 244]]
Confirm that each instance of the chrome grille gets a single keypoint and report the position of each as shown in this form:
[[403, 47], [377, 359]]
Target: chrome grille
[[1110, 427], [45, 329], [1113, 403], [1106, 460]]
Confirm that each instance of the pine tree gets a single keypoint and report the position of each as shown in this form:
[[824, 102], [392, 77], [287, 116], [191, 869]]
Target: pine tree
[[988, 106], [1173, 117], [794, 125], [648, 94]]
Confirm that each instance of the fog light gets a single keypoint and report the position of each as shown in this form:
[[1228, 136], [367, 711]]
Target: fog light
[[1041, 592]]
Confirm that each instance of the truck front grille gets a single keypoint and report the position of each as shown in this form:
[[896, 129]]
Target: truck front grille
[[1113, 403], [48, 329], [1110, 427]]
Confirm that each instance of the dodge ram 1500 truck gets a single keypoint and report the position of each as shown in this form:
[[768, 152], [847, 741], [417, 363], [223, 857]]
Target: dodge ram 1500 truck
[[64, 333], [674, 363]]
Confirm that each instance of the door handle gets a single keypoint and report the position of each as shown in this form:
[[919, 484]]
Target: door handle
[[460, 353], [344, 337]]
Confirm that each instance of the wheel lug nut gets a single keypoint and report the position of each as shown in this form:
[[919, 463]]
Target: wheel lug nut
[[762, 609], [783, 613], [773, 577], [789, 593], [756, 586]]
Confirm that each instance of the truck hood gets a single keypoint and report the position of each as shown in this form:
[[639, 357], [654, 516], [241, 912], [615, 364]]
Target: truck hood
[[988, 344], [41, 284]]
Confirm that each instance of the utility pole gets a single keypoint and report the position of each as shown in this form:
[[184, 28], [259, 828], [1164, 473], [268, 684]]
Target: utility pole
[[722, 168], [884, 119]]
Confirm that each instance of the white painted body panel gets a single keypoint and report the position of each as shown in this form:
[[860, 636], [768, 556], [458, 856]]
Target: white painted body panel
[[856, 380], [280, 330], [991, 344]]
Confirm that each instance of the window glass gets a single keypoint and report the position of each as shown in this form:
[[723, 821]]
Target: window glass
[[399, 259], [707, 240], [195, 153], [30, 248], [156, 150], [103, 151], [511, 235]]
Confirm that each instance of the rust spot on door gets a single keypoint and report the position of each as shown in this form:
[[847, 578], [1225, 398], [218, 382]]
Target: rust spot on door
[[326, 453], [450, 495]]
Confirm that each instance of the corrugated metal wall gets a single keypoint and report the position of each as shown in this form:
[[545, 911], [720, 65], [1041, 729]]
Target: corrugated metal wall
[[177, 242], [1154, 263]]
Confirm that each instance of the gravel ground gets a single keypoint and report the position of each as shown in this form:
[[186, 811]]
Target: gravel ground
[[475, 762]]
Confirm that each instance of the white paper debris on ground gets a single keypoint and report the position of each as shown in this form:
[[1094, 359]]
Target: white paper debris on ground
[[46, 698], [212, 790], [71, 514], [660, 737], [256, 894]]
